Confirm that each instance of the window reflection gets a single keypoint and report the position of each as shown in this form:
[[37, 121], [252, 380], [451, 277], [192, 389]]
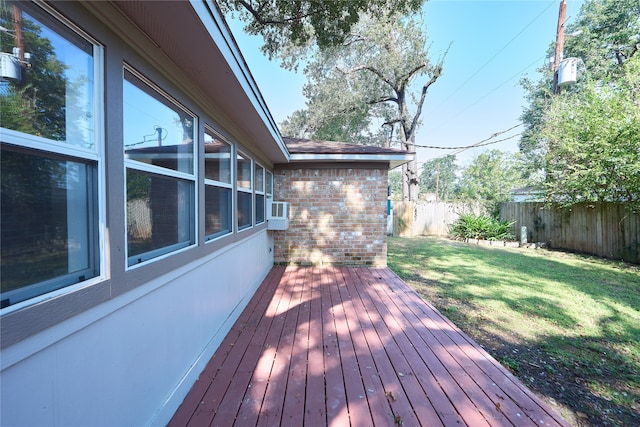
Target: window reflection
[[259, 189], [48, 223], [244, 193], [218, 190], [159, 160], [159, 215], [156, 131], [47, 84], [244, 172], [217, 159], [218, 219], [244, 210]]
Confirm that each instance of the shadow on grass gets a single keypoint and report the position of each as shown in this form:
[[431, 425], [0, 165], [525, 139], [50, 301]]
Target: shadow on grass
[[577, 341]]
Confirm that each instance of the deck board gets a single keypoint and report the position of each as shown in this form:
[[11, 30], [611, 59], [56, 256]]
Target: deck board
[[353, 346]]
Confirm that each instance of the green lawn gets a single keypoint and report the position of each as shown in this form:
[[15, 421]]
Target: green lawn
[[567, 325]]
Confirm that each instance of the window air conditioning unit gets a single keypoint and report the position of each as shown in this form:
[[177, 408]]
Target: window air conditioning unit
[[277, 215]]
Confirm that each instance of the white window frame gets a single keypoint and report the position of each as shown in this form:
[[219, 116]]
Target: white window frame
[[261, 192], [95, 156], [244, 190], [137, 166], [214, 183], [268, 188]]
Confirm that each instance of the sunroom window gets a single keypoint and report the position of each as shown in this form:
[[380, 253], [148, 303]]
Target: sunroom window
[[260, 196], [218, 188], [269, 184], [160, 172], [245, 191], [51, 158]]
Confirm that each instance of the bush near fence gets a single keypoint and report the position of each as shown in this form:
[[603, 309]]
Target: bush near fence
[[429, 218], [609, 230]]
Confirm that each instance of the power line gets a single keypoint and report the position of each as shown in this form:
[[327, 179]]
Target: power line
[[497, 53], [502, 84], [482, 143]]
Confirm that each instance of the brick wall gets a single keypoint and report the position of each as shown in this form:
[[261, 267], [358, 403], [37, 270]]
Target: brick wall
[[336, 215]]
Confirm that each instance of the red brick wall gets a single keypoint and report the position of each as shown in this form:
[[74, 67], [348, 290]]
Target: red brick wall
[[336, 215]]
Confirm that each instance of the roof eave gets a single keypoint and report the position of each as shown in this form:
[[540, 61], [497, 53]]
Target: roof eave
[[393, 160], [209, 13]]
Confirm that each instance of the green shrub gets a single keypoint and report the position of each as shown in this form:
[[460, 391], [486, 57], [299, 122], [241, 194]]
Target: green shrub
[[471, 226]]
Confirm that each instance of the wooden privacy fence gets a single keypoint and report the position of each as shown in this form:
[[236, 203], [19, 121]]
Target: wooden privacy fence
[[608, 230], [428, 218]]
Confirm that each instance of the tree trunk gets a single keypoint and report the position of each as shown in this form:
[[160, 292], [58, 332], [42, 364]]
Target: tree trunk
[[405, 182], [412, 178], [410, 186]]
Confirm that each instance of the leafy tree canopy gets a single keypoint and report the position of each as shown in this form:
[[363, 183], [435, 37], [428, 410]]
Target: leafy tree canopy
[[35, 104], [379, 75], [395, 185], [490, 178], [286, 26], [605, 35], [593, 141], [583, 143], [438, 176]]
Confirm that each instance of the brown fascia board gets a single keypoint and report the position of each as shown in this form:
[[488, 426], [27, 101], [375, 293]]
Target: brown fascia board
[[183, 38]]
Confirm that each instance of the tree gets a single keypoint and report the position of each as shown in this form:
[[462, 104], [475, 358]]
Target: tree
[[606, 35], [288, 26], [593, 142], [490, 178], [439, 177], [36, 103], [604, 38], [371, 78], [395, 185]]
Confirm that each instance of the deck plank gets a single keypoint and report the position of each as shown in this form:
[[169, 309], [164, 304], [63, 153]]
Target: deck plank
[[509, 396], [295, 395], [353, 346], [363, 332], [357, 405], [315, 409], [336, 395], [271, 412], [263, 358], [417, 366], [196, 404], [403, 356]]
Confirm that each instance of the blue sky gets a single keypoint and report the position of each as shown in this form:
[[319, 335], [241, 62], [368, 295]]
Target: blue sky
[[493, 45]]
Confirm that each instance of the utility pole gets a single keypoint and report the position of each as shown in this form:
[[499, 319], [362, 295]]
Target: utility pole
[[17, 18], [562, 15]]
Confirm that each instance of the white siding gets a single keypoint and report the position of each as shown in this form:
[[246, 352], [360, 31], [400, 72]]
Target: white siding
[[132, 360]]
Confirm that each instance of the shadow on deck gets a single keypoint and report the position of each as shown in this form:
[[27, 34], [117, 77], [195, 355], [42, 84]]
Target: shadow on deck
[[353, 346]]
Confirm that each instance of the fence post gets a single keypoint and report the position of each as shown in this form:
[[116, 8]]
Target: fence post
[[523, 235]]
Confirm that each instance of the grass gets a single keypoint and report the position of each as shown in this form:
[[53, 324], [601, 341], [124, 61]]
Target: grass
[[567, 325]]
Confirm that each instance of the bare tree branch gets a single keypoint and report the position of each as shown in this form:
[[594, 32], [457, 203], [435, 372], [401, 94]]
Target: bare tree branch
[[437, 72]]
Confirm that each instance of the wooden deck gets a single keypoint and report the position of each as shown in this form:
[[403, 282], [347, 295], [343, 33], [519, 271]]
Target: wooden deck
[[353, 346]]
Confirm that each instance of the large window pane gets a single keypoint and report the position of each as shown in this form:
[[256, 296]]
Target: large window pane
[[217, 159], [259, 179], [53, 96], [156, 131], [218, 217], [259, 189], [49, 224], [244, 172], [269, 183], [244, 210], [160, 215], [260, 208]]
